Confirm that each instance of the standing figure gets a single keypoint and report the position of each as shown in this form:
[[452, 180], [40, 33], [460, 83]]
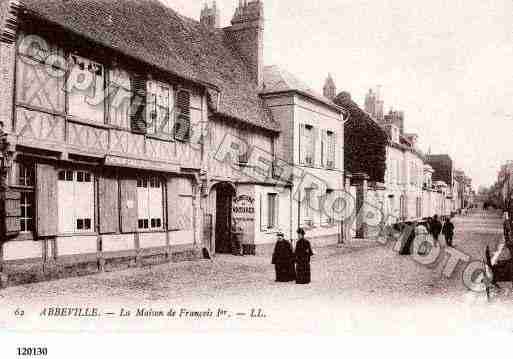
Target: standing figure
[[436, 228], [448, 232], [283, 260], [506, 225], [508, 240], [303, 255]]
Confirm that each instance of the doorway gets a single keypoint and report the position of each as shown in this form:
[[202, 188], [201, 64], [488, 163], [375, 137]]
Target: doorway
[[224, 198]]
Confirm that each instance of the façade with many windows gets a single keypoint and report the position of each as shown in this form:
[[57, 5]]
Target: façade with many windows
[[106, 157]]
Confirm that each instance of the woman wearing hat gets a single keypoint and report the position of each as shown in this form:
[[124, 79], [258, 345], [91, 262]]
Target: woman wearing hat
[[303, 255], [283, 260]]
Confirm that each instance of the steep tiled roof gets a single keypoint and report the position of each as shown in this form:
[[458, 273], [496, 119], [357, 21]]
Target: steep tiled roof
[[155, 34], [278, 80]]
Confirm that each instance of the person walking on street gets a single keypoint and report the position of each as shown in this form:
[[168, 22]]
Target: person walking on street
[[283, 260], [506, 225], [448, 232], [303, 254], [508, 240], [436, 228]]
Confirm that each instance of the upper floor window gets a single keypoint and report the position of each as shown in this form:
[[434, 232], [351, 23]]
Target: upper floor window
[[120, 94], [160, 108], [182, 125], [86, 88], [328, 149], [245, 151], [40, 83], [307, 145]]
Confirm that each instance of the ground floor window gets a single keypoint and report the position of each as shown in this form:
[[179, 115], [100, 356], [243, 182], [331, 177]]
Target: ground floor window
[[75, 193], [307, 207], [27, 212], [150, 205], [24, 181], [272, 213]]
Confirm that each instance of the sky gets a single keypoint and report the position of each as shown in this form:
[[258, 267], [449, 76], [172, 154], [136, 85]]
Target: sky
[[446, 64]]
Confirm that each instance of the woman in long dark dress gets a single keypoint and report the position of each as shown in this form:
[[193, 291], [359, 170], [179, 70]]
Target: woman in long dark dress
[[283, 260], [303, 254]]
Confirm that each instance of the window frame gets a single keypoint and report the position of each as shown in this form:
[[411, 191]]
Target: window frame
[[105, 103], [88, 176], [147, 182], [272, 214], [307, 145]]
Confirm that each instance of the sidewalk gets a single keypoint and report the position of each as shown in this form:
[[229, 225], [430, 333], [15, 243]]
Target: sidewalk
[[320, 253]]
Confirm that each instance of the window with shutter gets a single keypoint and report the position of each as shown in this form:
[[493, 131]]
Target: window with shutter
[[272, 210], [307, 145], [245, 151], [75, 201], [330, 149], [138, 103], [46, 200], [182, 126], [159, 108], [119, 104], [38, 84], [22, 207], [150, 209], [79, 96]]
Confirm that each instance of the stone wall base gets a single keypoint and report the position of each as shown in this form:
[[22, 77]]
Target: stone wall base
[[19, 273]]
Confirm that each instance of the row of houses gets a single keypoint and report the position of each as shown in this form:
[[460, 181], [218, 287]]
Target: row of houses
[[501, 194], [131, 131]]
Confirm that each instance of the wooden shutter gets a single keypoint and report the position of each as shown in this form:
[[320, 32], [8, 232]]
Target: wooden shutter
[[180, 204], [173, 220], [138, 107], [182, 126], [108, 200], [12, 210], [185, 212], [324, 148], [315, 136], [263, 215], [46, 201], [334, 151], [128, 191], [302, 142]]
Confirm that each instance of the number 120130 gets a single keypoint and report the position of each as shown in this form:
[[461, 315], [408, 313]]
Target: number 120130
[[32, 351]]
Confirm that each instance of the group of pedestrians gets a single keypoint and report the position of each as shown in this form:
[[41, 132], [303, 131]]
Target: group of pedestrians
[[435, 227], [292, 265]]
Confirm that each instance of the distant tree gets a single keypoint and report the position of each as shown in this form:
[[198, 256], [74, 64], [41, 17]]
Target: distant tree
[[364, 141]]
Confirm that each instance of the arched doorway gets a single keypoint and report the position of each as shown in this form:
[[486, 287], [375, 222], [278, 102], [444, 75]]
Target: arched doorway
[[224, 193]]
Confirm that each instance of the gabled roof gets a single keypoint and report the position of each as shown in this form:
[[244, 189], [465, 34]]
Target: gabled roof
[[150, 32], [279, 80]]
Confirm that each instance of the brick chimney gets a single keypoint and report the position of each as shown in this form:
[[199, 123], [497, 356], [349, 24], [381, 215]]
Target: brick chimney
[[210, 16], [247, 34]]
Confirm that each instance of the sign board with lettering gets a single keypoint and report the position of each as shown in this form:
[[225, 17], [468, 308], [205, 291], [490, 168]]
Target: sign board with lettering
[[243, 211]]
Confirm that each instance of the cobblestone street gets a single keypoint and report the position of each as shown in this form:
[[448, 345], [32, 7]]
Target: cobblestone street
[[360, 288]]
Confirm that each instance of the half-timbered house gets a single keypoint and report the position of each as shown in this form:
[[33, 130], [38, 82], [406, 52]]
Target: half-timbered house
[[134, 132]]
